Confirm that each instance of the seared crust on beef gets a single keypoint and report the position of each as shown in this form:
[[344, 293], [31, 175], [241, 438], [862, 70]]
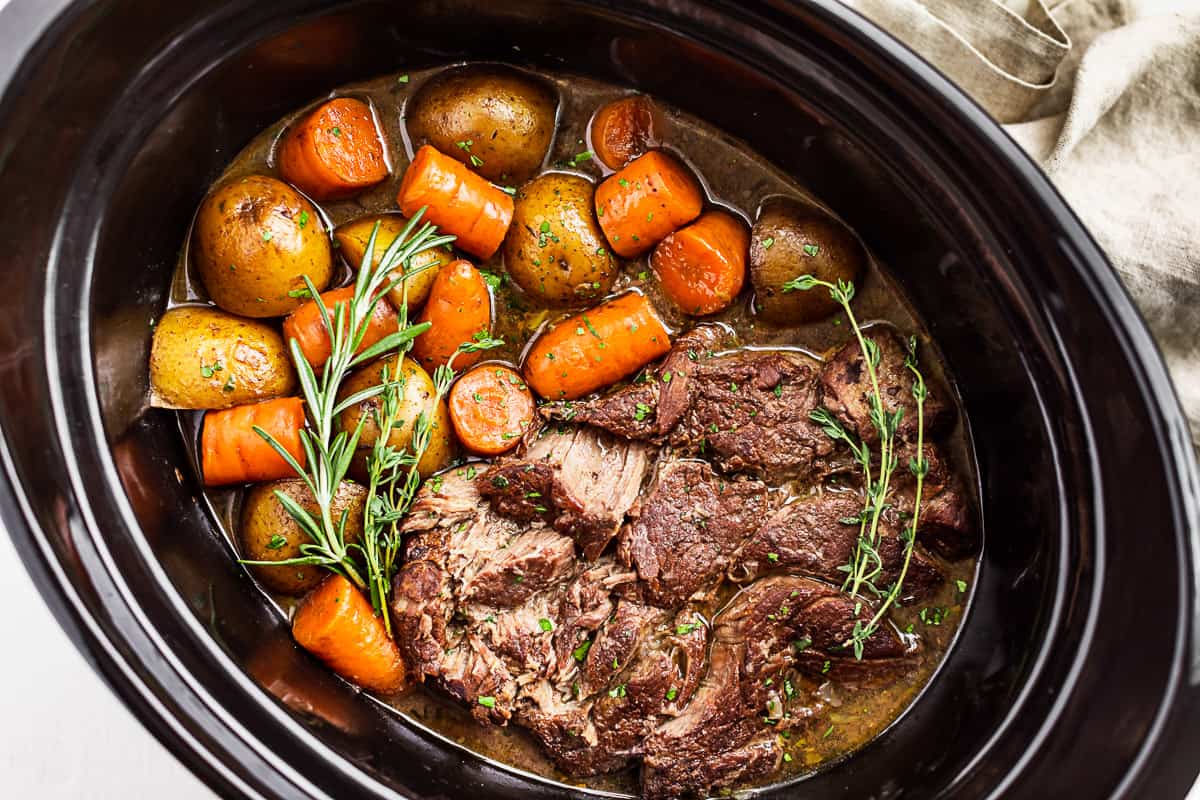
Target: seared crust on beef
[[685, 529], [510, 600]]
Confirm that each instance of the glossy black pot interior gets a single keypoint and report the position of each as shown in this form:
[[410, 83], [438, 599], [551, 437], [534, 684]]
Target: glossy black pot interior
[[1075, 673]]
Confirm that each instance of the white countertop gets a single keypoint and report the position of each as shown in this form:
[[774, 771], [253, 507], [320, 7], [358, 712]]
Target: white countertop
[[63, 733]]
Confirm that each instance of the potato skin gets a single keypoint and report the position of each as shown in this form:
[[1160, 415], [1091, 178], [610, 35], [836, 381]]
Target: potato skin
[[254, 238], [777, 255], [353, 237], [554, 249], [508, 118], [418, 396], [189, 343], [264, 518]]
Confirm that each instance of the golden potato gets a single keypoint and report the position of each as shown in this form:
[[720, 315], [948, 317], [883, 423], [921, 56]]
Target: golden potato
[[353, 238], [791, 239], [497, 120], [268, 532], [255, 237], [554, 249], [204, 358], [417, 396]]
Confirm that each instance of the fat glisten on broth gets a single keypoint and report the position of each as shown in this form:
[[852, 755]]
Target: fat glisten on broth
[[647, 480]]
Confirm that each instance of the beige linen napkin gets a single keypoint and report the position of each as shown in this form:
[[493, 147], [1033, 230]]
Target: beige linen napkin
[[1105, 94]]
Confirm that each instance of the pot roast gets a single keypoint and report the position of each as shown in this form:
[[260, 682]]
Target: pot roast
[[653, 579]]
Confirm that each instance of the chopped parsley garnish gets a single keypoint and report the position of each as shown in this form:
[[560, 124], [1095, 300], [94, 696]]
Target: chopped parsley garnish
[[277, 542], [208, 370], [811, 250], [487, 701], [580, 653], [545, 624], [591, 328]]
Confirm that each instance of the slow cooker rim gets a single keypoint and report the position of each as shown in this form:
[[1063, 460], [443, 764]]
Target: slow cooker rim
[[1168, 425]]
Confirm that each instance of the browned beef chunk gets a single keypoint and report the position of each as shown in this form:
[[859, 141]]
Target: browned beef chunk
[[536, 559], [650, 407], [749, 413], [685, 528], [747, 410], [449, 537], [817, 536], [946, 524], [846, 387], [615, 644], [470, 600], [728, 733], [643, 665], [578, 479]]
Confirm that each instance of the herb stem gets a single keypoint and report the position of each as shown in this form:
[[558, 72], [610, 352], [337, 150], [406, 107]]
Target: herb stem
[[327, 455], [866, 563]]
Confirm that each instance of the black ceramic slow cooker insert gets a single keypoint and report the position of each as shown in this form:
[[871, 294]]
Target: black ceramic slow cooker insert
[[1075, 674]]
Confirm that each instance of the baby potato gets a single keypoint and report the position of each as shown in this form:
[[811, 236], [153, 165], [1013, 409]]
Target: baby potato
[[268, 532], [417, 396], [791, 239], [497, 120], [353, 238], [255, 237], [203, 358], [554, 249]]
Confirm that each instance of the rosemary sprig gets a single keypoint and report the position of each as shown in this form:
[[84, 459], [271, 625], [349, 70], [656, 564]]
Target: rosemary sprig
[[328, 456], [866, 563]]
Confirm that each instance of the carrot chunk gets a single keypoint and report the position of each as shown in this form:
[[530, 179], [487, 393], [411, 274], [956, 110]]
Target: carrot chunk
[[490, 407], [702, 267], [232, 452], [334, 152], [458, 201], [624, 129], [308, 329], [638, 206], [459, 309], [335, 622], [594, 349]]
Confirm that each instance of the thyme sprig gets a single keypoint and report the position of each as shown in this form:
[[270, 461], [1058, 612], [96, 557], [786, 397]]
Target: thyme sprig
[[328, 456], [393, 473], [866, 563]]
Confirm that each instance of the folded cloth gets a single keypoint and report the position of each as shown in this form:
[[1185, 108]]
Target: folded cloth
[[1105, 94]]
